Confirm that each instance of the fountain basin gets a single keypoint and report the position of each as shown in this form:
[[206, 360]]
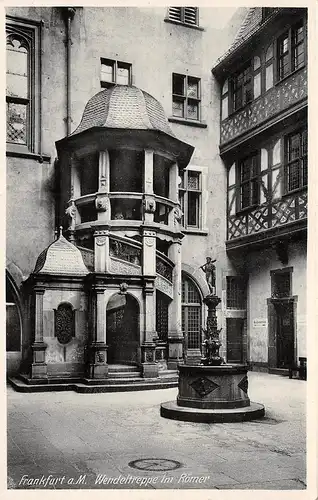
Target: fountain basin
[[212, 394]]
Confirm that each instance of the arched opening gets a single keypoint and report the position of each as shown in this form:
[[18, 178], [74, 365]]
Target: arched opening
[[13, 318], [191, 314], [123, 330], [13, 328]]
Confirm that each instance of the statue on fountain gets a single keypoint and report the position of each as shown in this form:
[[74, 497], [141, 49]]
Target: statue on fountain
[[211, 343], [209, 269]]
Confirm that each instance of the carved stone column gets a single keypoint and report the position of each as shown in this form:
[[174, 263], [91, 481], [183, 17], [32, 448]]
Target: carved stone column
[[39, 366], [149, 203], [98, 367], [101, 253], [103, 172], [102, 202], [148, 347], [175, 336], [149, 253]]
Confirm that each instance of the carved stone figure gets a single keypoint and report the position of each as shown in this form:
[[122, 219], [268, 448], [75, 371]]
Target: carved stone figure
[[209, 270], [71, 214]]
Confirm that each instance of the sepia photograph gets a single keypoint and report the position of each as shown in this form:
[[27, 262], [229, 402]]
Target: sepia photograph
[[156, 247]]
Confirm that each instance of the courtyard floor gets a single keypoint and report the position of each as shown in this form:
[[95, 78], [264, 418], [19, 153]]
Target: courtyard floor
[[69, 440]]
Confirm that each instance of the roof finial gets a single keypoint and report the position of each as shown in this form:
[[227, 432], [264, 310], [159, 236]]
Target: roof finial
[[55, 234], [61, 231]]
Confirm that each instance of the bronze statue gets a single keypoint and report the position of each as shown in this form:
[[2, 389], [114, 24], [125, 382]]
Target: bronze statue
[[209, 270]]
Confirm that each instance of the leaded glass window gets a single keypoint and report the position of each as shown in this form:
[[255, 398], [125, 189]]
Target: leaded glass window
[[191, 314], [249, 170], [296, 170], [22, 85], [18, 89]]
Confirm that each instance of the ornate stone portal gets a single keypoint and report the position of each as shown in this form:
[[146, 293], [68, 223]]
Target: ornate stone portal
[[213, 391]]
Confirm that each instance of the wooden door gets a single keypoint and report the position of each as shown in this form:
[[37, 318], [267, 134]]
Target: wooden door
[[285, 334], [234, 340]]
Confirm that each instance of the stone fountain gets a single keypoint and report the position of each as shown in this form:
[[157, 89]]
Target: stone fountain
[[212, 391]]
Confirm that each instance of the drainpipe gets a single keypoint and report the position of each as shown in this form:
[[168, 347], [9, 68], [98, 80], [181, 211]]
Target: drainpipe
[[69, 13]]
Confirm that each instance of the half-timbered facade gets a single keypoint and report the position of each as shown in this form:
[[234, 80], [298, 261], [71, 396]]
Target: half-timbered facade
[[263, 143]]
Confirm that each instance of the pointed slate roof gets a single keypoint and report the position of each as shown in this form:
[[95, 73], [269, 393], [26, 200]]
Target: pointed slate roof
[[61, 258], [252, 22]]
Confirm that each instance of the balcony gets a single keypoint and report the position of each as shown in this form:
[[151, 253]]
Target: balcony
[[286, 94], [282, 217]]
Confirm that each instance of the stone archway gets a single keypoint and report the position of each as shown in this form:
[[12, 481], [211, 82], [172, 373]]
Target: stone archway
[[13, 326], [123, 329]]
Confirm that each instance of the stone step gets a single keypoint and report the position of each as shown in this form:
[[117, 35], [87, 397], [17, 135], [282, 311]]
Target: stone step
[[123, 368], [108, 385]]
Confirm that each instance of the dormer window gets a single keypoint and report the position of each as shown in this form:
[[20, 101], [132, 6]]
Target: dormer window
[[184, 15]]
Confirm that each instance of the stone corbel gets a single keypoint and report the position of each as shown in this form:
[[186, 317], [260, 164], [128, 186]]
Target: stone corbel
[[149, 204], [102, 203]]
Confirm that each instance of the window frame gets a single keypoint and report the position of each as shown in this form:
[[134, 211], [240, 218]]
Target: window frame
[[181, 13], [302, 160], [240, 283], [30, 32], [187, 306], [290, 31], [115, 65], [268, 65], [252, 178], [233, 79], [287, 271], [184, 198], [185, 98]]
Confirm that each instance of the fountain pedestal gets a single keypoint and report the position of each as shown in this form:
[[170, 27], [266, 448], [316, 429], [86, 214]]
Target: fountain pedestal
[[213, 391]]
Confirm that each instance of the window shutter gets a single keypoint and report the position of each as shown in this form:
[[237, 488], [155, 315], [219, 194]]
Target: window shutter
[[190, 15], [175, 13]]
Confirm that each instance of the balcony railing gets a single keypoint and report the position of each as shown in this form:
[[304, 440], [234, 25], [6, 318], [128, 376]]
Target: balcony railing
[[278, 213], [123, 250], [164, 266], [277, 99], [124, 206]]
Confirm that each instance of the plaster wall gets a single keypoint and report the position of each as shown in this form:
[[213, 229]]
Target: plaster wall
[[155, 52], [259, 265]]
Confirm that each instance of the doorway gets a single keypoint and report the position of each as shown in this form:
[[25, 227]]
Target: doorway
[[285, 335], [123, 330], [234, 340]]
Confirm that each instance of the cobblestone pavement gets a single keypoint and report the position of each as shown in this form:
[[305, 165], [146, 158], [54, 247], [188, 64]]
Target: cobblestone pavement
[[69, 440]]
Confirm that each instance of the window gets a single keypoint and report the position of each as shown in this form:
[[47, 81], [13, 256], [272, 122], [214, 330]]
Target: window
[[21, 76], [114, 73], [184, 15], [278, 59], [281, 284], [296, 171], [191, 314], [249, 185], [185, 97], [290, 50], [190, 198], [242, 90], [235, 292]]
